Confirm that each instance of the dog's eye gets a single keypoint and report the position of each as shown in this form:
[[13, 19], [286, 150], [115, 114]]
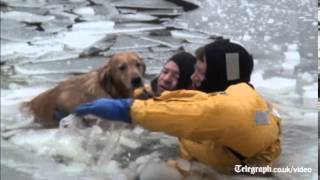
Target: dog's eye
[[138, 65], [122, 67]]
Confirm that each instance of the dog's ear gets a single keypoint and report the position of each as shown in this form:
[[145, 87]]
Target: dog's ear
[[143, 64], [143, 67], [104, 74]]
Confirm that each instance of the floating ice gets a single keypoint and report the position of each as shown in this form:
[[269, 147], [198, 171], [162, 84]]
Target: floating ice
[[221, 19], [159, 171], [94, 27], [246, 37], [63, 146], [26, 17], [187, 35], [60, 14], [310, 95], [276, 47], [90, 33], [270, 21], [71, 121], [164, 41], [84, 11], [292, 58], [113, 171], [129, 142], [150, 4], [56, 25], [126, 42], [25, 3], [266, 38], [29, 50], [278, 84], [10, 24], [133, 17], [21, 34], [72, 41], [204, 19], [17, 48], [306, 77], [257, 78], [44, 50]]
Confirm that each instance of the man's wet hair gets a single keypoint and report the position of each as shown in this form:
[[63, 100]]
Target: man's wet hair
[[200, 53]]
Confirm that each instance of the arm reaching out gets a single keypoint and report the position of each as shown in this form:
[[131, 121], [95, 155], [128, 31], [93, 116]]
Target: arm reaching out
[[113, 109]]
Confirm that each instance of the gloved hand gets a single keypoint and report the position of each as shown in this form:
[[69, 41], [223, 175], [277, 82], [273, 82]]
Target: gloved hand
[[112, 109]]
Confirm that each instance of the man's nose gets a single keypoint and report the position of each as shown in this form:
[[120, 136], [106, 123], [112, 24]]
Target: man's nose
[[167, 77], [193, 76]]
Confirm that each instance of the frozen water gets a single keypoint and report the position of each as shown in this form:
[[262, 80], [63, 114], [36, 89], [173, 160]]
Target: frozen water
[[159, 171], [133, 17], [72, 41], [40, 59], [84, 11], [30, 51], [188, 35], [291, 58], [310, 95], [278, 84], [25, 3], [150, 4], [26, 17]]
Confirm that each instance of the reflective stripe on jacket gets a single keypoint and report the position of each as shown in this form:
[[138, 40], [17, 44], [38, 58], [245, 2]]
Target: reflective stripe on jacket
[[215, 128]]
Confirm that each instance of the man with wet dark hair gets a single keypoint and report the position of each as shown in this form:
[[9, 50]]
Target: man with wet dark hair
[[175, 74]]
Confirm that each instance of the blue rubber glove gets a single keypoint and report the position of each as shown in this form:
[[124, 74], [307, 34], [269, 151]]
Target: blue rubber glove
[[112, 109]]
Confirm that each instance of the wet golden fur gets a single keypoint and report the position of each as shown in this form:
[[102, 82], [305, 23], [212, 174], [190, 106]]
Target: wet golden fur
[[113, 80]]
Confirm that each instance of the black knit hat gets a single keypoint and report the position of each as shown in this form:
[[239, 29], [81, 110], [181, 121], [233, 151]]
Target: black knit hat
[[227, 63], [185, 61]]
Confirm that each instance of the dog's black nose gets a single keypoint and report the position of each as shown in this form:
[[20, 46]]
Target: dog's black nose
[[136, 82]]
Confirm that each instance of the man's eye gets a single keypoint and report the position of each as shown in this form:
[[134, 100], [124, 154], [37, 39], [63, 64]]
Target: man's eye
[[164, 71]]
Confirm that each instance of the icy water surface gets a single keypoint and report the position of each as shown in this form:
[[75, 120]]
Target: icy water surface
[[46, 41]]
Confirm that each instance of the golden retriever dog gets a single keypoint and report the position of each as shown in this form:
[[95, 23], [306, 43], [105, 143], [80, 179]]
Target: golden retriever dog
[[117, 79]]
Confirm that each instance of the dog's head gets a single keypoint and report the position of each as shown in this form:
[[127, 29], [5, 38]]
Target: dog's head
[[123, 73]]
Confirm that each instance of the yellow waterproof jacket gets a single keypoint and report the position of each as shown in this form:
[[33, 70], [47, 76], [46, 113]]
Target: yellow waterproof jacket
[[218, 129]]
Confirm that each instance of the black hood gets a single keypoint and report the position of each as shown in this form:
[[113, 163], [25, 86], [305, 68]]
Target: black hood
[[227, 63], [185, 61]]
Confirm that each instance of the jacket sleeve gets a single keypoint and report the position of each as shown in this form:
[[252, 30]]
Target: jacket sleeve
[[188, 114]]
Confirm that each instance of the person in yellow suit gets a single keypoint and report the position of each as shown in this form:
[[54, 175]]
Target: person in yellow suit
[[226, 123]]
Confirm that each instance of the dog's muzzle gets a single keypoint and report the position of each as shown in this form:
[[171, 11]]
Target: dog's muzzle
[[136, 82]]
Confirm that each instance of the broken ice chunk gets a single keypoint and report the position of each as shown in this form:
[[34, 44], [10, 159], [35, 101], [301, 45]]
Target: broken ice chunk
[[278, 84], [159, 171], [25, 17], [291, 59], [133, 17], [84, 11], [309, 96], [98, 26]]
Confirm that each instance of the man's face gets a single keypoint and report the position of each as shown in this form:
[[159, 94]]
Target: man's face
[[168, 77], [199, 73]]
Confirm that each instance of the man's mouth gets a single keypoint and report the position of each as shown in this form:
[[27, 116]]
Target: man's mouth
[[195, 85], [163, 87]]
